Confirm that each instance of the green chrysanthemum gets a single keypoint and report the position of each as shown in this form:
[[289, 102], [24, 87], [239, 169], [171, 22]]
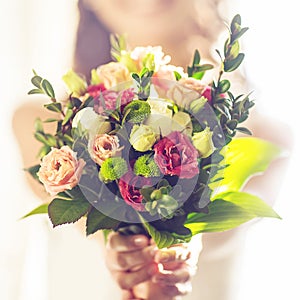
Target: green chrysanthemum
[[137, 111], [146, 166], [113, 168]]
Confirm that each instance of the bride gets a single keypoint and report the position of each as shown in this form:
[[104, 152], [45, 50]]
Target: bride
[[179, 27]]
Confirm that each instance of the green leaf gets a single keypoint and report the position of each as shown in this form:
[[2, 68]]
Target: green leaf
[[64, 212], [246, 156], [164, 239], [36, 81], [68, 116], [99, 221], [33, 171], [56, 107], [224, 86], [35, 91], [229, 211], [233, 64], [48, 89], [42, 209], [197, 58]]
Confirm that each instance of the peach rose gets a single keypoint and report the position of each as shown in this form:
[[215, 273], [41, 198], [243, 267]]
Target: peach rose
[[193, 84], [182, 95], [60, 170], [103, 146], [113, 73], [164, 77]]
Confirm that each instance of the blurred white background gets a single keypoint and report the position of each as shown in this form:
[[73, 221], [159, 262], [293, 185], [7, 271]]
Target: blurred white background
[[38, 34]]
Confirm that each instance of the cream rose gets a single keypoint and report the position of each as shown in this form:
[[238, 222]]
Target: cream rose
[[60, 170], [142, 137], [182, 122], [160, 117], [91, 121], [113, 73], [103, 146]]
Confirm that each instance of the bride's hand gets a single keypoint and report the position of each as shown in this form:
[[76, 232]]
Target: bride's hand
[[144, 272]]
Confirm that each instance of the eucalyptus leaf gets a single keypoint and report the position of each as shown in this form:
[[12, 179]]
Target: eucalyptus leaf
[[48, 89], [233, 64], [56, 107]]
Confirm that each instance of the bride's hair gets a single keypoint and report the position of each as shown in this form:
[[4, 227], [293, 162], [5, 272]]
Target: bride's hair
[[92, 46]]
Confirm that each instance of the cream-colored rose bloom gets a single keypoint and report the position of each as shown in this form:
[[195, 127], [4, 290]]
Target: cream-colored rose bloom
[[182, 122], [113, 73], [142, 137], [91, 121], [160, 117]]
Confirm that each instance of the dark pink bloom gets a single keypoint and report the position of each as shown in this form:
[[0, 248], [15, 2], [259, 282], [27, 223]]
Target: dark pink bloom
[[129, 186], [95, 90], [175, 155], [207, 93], [110, 100]]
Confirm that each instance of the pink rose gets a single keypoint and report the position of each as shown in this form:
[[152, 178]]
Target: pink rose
[[95, 90], [129, 186], [176, 155], [60, 170], [110, 99], [103, 146]]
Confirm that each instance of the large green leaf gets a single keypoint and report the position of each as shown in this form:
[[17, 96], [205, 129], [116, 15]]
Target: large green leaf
[[96, 220], [67, 211], [42, 209], [229, 211], [246, 157]]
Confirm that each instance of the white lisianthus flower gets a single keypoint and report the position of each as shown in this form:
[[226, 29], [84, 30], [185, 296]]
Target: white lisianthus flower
[[91, 121], [145, 56]]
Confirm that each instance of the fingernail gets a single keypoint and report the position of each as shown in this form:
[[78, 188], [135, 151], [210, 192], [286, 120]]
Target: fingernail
[[139, 241], [152, 269]]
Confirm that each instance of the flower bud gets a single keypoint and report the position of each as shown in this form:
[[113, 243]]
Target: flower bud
[[203, 142]]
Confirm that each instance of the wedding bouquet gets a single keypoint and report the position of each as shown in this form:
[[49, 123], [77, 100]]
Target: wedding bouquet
[[145, 145]]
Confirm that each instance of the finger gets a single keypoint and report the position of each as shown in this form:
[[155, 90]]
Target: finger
[[123, 261], [179, 253], [124, 243], [181, 275], [180, 289], [127, 280], [128, 295]]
